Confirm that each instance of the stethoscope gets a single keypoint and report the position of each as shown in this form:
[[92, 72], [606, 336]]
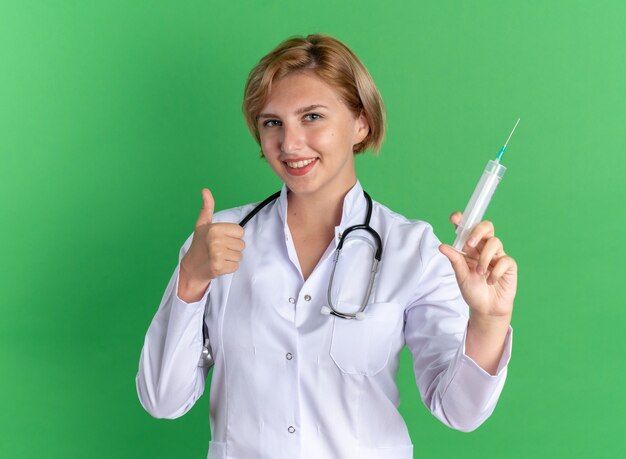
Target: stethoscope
[[206, 359]]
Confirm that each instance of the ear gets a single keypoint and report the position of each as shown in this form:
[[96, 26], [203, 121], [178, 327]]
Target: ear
[[362, 128]]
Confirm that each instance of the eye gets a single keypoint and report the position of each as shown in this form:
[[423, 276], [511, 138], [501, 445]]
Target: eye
[[270, 123], [312, 116]]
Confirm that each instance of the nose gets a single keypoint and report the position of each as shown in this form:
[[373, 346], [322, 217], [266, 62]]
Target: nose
[[292, 139]]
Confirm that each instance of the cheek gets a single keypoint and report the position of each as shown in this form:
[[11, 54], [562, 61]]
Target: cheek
[[327, 138], [268, 143]]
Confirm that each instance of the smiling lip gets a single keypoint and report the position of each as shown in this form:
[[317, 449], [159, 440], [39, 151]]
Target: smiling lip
[[299, 171]]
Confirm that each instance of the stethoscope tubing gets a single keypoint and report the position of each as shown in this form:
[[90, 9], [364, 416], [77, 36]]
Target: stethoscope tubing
[[206, 359]]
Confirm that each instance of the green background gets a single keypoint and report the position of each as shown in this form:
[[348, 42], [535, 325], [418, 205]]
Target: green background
[[114, 115]]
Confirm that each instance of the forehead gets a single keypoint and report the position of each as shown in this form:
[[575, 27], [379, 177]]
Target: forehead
[[300, 89]]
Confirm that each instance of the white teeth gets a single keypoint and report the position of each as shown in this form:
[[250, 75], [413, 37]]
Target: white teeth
[[299, 164]]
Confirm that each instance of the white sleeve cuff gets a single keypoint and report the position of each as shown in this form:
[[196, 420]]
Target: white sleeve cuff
[[504, 359], [472, 393]]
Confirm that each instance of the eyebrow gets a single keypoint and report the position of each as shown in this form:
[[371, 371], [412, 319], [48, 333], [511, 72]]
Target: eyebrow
[[297, 112]]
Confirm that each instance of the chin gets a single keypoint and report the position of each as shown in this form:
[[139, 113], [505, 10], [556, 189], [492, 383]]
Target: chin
[[300, 187]]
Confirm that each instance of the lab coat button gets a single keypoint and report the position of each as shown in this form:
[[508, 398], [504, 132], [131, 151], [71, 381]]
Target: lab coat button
[[291, 429], [289, 356], [292, 300], [307, 297]]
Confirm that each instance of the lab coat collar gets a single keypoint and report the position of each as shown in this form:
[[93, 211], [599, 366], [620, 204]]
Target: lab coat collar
[[354, 204], [353, 211]]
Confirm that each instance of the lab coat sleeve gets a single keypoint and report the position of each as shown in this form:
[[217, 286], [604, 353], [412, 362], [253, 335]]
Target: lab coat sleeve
[[169, 380], [452, 386]]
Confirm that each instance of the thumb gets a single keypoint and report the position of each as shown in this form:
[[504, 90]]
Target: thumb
[[208, 205], [461, 269]]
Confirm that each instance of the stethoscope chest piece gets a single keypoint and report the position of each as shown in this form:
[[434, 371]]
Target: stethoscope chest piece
[[327, 311], [206, 359]]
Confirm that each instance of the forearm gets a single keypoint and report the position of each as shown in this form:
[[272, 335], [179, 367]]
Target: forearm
[[484, 342], [462, 394], [169, 379]]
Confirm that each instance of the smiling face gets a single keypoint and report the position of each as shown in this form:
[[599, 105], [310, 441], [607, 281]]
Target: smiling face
[[307, 135]]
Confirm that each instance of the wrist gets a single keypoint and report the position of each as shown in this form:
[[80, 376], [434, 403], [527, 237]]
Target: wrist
[[190, 288], [487, 324], [485, 340], [189, 273]]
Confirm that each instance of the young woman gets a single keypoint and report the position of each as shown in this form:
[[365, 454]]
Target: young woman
[[305, 354]]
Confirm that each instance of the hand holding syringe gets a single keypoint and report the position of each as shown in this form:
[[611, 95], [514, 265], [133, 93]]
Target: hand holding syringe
[[481, 197], [486, 275]]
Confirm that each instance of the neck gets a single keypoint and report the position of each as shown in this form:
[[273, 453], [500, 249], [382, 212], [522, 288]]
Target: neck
[[321, 209]]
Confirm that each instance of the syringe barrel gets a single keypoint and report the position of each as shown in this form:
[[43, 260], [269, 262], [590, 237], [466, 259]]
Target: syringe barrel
[[478, 203]]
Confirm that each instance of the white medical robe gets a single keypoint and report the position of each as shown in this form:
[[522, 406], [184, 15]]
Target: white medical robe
[[290, 382]]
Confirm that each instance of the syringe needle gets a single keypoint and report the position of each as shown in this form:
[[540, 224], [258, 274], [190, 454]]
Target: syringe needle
[[499, 157], [507, 140]]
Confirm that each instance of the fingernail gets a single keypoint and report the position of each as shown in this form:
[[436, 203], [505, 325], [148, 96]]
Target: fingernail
[[480, 270], [472, 242]]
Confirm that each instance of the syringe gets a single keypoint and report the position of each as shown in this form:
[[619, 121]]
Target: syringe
[[478, 203]]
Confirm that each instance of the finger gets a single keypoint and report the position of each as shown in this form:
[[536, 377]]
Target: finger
[[208, 206], [457, 259], [235, 243], [230, 230], [456, 218], [492, 247], [482, 231], [233, 230], [223, 266], [471, 253], [233, 255], [503, 265]]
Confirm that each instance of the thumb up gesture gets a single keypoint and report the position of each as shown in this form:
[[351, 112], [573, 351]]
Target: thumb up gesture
[[215, 250]]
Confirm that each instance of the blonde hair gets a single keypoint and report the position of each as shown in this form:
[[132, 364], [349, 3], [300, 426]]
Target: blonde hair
[[331, 61]]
